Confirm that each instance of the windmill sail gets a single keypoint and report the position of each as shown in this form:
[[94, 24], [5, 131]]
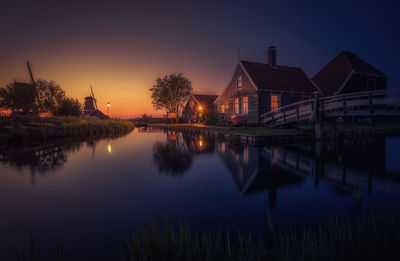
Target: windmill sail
[[94, 99], [34, 91]]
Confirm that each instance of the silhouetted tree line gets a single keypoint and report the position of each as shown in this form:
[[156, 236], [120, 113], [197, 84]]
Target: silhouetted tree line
[[45, 97]]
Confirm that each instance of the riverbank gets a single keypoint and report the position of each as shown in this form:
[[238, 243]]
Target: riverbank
[[372, 237], [266, 135], [28, 129]]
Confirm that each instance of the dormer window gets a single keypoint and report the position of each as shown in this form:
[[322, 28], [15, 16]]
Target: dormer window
[[239, 81]]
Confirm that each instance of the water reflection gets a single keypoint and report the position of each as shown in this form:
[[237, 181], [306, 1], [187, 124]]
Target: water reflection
[[254, 171], [175, 155], [348, 167], [44, 159], [39, 160]]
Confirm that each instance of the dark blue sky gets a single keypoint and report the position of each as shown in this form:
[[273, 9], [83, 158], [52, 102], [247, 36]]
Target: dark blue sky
[[123, 46]]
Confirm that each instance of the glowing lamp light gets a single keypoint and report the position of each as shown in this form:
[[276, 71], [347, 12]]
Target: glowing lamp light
[[108, 104], [201, 143], [109, 148], [200, 107]]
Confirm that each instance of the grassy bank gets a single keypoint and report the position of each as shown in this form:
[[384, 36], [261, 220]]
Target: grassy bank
[[372, 237], [46, 128]]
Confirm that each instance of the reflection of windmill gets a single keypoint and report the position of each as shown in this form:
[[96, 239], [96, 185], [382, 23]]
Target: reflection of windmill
[[90, 108]]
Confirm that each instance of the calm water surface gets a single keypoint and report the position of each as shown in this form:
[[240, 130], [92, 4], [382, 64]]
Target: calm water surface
[[87, 195]]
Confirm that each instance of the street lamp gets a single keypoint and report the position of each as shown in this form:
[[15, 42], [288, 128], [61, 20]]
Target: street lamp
[[108, 107]]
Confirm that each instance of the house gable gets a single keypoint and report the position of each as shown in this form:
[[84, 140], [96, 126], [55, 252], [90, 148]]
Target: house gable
[[339, 74], [231, 92], [231, 89]]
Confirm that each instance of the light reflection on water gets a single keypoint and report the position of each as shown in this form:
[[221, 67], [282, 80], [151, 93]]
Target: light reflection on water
[[91, 193]]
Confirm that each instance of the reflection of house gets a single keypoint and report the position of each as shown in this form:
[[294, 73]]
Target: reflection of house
[[257, 88], [199, 144], [346, 166], [197, 106], [253, 171], [348, 73], [241, 161]]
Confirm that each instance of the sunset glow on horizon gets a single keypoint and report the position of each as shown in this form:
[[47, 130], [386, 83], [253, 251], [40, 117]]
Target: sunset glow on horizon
[[121, 49]]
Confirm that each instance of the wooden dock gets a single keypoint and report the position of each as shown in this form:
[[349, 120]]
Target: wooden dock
[[270, 139]]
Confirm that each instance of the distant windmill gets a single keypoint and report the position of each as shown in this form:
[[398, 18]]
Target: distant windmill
[[90, 103], [90, 108]]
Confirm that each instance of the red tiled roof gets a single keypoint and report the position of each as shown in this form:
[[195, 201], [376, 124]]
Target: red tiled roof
[[330, 78], [205, 99], [278, 77]]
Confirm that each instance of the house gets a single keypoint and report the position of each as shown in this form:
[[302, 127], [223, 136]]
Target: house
[[257, 88], [198, 107], [347, 73]]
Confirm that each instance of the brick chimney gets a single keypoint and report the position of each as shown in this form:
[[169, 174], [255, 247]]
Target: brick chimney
[[272, 56]]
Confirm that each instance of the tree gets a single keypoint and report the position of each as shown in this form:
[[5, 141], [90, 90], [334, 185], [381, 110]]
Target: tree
[[171, 92], [68, 107], [49, 95]]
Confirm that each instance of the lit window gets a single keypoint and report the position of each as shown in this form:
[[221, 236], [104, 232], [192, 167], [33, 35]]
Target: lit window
[[245, 105], [274, 102], [222, 108], [236, 107], [239, 81]]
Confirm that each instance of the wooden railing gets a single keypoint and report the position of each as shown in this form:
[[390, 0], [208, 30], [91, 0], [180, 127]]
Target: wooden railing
[[382, 102]]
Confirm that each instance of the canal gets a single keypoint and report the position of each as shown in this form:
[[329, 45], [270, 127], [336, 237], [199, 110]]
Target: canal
[[85, 196]]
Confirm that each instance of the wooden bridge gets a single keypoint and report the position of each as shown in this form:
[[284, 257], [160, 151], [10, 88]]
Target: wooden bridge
[[367, 104]]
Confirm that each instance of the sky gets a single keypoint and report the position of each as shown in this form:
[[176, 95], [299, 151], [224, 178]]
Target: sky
[[121, 47]]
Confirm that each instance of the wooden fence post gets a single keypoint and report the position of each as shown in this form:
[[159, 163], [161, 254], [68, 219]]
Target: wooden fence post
[[318, 126]]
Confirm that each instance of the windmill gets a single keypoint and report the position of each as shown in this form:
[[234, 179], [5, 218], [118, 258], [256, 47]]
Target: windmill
[[90, 103], [90, 108]]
